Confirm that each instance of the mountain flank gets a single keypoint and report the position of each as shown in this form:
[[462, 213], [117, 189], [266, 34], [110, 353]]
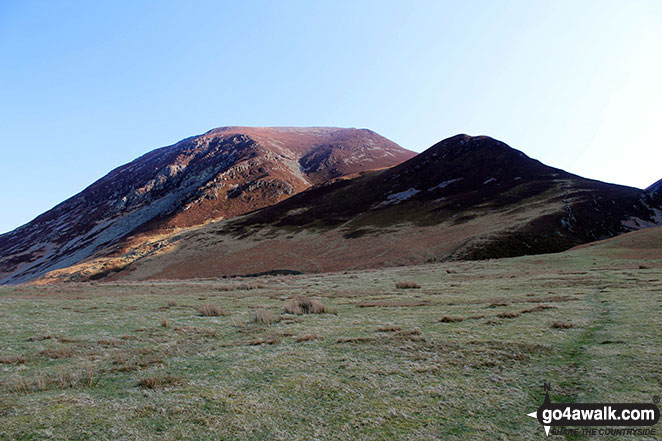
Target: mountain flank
[[221, 174], [655, 188]]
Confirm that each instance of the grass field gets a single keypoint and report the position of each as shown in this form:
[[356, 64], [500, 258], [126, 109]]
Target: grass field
[[463, 357]]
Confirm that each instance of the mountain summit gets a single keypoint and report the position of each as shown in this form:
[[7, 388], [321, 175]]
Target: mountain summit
[[220, 174]]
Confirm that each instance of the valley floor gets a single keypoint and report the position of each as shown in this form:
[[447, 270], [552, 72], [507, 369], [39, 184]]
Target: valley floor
[[462, 357]]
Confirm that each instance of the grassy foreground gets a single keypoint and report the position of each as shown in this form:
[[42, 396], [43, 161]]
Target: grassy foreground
[[462, 357]]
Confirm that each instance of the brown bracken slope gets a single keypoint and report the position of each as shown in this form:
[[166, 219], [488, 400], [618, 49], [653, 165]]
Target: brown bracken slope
[[218, 175], [464, 198]]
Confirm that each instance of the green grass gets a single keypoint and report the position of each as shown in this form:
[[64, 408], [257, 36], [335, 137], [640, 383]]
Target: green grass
[[93, 361]]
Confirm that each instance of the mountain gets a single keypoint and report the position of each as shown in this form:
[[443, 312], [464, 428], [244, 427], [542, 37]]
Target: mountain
[[655, 188], [464, 198], [223, 173]]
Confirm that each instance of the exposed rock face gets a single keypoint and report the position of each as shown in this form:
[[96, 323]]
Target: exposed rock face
[[223, 173], [464, 198]]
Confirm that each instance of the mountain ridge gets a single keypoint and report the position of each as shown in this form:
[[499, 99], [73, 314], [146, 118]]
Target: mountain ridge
[[656, 187], [463, 198]]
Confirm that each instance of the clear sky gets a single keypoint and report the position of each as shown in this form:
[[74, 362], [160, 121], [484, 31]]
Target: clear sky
[[87, 86]]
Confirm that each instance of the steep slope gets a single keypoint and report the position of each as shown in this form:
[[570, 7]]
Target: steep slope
[[655, 188], [221, 174], [464, 198]]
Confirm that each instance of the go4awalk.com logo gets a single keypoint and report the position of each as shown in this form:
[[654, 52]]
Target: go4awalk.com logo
[[591, 418]]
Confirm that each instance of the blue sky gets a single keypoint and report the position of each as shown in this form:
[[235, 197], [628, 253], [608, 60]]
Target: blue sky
[[87, 86]]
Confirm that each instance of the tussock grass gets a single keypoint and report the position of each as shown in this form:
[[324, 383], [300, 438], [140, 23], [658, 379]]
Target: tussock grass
[[209, 310], [110, 342], [264, 317], [269, 340], [388, 328], [561, 325], [497, 304], [159, 381], [60, 379], [447, 319], [538, 308], [306, 337], [366, 373], [12, 359], [393, 304], [40, 337], [68, 340], [57, 353], [407, 332], [354, 339], [241, 287], [407, 285], [508, 315], [303, 305]]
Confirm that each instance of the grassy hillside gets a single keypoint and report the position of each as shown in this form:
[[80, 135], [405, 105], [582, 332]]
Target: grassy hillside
[[462, 357]]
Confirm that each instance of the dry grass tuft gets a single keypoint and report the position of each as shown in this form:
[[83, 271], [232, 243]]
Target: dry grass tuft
[[354, 339], [538, 308], [408, 332], [497, 304], [303, 305], [288, 319], [242, 287], [270, 340], [393, 304], [211, 311], [508, 315], [389, 328], [57, 353], [12, 359], [306, 337], [264, 317], [553, 299], [560, 325], [40, 337], [159, 381], [447, 319], [62, 379], [68, 340], [407, 285], [109, 342]]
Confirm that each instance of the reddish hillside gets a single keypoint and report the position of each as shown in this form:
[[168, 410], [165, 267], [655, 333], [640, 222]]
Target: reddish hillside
[[221, 174]]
